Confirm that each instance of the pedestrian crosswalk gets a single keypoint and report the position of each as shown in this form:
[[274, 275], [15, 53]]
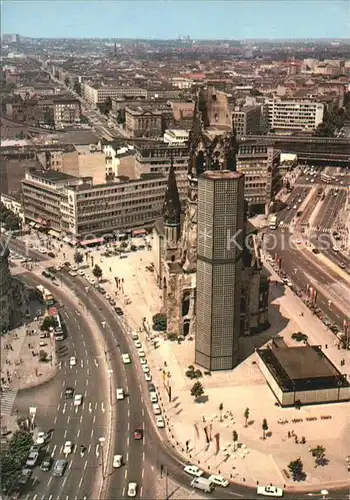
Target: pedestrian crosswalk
[[7, 401], [318, 229]]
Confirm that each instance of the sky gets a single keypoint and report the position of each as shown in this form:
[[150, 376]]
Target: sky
[[169, 19]]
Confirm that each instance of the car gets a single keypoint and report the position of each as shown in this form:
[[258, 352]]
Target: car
[[143, 361], [117, 461], [193, 470], [81, 272], [138, 344], [42, 437], [335, 249], [298, 241], [294, 207], [73, 273], [134, 336], [141, 353], [138, 434], [78, 399], [119, 311], [312, 180], [32, 459], [219, 480], [156, 409], [160, 422], [145, 368], [270, 491], [68, 392], [342, 265], [46, 464], [112, 302], [74, 267], [42, 250], [59, 467], [151, 388], [51, 254], [108, 296], [68, 447], [132, 490], [24, 477], [300, 200], [315, 251], [72, 361], [153, 397], [126, 359], [42, 343], [120, 393], [148, 377], [35, 448]]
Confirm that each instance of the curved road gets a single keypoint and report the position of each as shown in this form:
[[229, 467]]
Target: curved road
[[145, 457]]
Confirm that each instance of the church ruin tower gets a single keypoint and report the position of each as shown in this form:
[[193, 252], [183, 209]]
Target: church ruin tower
[[172, 217]]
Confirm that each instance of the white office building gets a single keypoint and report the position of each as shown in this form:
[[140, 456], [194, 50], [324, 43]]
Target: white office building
[[294, 115]]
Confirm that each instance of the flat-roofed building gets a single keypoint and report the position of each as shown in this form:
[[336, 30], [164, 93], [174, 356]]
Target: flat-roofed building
[[176, 136], [259, 163], [141, 122], [42, 195], [97, 94], [301, 375], [292, 115], [155, 157], [247, 120]]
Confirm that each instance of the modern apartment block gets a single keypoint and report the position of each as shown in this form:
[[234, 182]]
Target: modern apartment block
[[219, 268], [76, 207], [294, 115], [155, 157], [247, 120], [97, 94], [259, 163]]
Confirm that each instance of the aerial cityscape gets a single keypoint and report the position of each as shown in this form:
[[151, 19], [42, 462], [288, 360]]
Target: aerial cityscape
[[175, 250]]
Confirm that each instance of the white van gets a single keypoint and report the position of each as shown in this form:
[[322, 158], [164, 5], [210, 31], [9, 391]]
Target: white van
[[201, 483]]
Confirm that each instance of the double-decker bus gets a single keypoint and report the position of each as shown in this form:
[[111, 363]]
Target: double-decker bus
[[327, 178], [45, 296]]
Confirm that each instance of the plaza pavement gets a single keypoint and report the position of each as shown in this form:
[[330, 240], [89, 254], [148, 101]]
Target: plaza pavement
[[255, 460]]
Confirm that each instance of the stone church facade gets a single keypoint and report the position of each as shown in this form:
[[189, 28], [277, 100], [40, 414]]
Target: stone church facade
[[212, 146]]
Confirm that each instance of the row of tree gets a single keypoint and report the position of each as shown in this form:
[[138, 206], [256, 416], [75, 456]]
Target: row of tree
[[8, 219], [13, 457]]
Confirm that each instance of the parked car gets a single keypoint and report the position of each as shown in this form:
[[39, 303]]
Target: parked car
[[117, 461], [68, 393], [68, 447], [132, 490], [219, 480], [138, 434], [193, 470], [32, 459], [78, 399], [46, 464]]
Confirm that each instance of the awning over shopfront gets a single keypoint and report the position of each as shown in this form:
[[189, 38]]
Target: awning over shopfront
[[94, 241], [139, 232], [54, 234]]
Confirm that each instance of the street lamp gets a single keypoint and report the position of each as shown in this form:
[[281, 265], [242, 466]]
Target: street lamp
[[110, 373]]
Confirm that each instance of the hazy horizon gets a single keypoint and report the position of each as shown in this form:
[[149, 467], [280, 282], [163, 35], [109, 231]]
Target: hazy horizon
[[167, 20]]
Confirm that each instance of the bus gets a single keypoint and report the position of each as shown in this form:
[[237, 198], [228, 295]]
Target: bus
[[45, 296], [327, 178], [58, 331]]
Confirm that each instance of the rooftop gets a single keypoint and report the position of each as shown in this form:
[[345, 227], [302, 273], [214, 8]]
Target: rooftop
[[53, 175], [221, 175], [305, 362]]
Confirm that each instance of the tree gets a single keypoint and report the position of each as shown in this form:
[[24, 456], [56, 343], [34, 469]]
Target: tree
[[49, 322], [78, 257], [265, 428], [97, 272], [8, 219], [159, 322], [42, 356], [13, 456], [221, 407], [197, 390], [246, 416], [319, 453], [235, 439], [296, 469]]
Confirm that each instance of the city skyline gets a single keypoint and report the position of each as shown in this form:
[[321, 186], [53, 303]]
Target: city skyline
[[309, 19]]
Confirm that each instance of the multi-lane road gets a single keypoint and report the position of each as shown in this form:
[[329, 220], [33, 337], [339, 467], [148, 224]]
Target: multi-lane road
[[142, 458]]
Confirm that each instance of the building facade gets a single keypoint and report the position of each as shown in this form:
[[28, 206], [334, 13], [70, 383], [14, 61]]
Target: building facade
[[219, 268], [247, 120], [141, 122], [96, 94], [288, 115], [259, 163]]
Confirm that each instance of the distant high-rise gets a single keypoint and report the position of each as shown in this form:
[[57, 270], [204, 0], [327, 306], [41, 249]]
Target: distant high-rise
[[220, 224]]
